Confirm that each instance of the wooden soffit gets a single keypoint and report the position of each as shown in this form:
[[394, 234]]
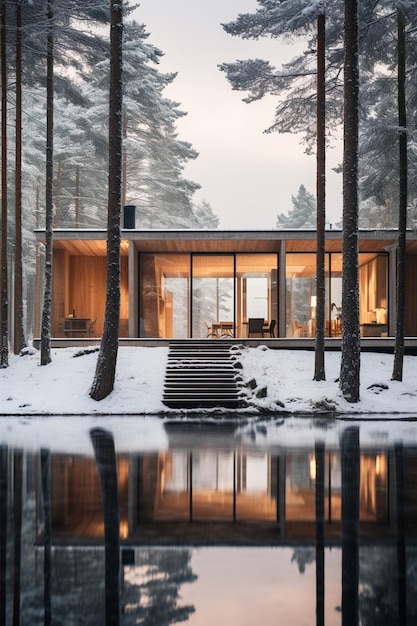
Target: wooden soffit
[[93, 242]]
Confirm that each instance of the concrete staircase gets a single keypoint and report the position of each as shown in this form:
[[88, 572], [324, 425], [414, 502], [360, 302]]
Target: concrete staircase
[[202, 375]]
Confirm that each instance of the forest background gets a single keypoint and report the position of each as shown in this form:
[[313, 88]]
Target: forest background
[[154, 156]]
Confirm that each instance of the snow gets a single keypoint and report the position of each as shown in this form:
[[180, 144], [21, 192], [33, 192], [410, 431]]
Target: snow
[[62, 387], [49, 406]]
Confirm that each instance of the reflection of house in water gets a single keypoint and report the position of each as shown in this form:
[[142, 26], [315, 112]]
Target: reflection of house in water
[[215, 490]]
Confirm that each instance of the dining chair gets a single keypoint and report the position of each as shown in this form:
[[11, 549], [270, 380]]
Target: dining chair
[[271, 328], [256, 326], [210, 331], [91, 327]]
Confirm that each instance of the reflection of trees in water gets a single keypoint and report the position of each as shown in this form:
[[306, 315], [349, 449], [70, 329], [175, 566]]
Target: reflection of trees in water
[[412, 585], [303, 557], [151, 587], [75, 574], [377, 602]]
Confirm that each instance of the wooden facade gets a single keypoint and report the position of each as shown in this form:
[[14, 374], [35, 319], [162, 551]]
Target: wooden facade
[[162, 272]]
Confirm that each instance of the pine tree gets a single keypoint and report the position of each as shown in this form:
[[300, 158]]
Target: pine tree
[[350, 357], [4, 309], [397, 373], [103, 382], [303, 213]]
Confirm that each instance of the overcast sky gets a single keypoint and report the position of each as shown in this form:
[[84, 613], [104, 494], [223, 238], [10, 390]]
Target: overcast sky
[[247, 176]]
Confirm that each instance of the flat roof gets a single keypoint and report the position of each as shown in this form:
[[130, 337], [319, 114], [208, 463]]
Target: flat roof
[[92, 242]]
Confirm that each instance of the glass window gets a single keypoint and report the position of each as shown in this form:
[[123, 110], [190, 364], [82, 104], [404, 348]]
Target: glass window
[[257, 289], [213, 295], [301, 294], [335, 296], [373, 277], [164, 295]]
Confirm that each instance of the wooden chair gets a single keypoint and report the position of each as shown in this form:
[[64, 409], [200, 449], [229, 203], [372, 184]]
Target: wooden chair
[[256, 326], [210, 331], [271, 329], [91, 327]]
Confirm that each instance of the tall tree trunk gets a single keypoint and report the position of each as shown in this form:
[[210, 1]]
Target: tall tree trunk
[[350, 465], [103, 382], [320, 587], [319, 371], [58, 195], [401, 543], [77, 197], [17, 527], [47, 535], [350, 358], [49, 204], [4, 453], [397, 373], [124, 172], [107, 469], [4, 307], [37, 288], [19, 340]]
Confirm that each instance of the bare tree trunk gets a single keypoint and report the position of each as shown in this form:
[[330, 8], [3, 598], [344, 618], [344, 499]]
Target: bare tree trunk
[[397, 373], [49, 205], [320, 587], [77, 197], [124, 171], [19, 340], [401, 530], [107, 469], [37, 289], [319, 371], [58, 195], [4, 474], [47, 534], [103, 382], [350, 358], [17, 527], [4, 307], [350, 465]]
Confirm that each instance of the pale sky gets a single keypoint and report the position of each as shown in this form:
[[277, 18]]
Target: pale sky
[[247, 176]]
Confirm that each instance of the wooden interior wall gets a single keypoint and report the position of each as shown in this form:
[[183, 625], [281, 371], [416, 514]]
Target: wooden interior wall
[[124, 297], [87, 291], [410, 297]]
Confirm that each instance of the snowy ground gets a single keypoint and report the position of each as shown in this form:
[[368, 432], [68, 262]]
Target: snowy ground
[[61, 388]]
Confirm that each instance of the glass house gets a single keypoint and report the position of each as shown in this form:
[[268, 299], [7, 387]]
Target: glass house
[[209, 284]]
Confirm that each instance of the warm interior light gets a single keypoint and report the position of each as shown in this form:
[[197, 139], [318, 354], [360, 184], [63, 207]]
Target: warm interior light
[[124, 530], [313, 301], [312, 467], [380, 465]]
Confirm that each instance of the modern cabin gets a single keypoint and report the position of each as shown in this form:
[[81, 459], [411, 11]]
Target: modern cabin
[[198, 284]]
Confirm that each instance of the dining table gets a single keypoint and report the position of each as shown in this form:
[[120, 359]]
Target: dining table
[[222, 329]]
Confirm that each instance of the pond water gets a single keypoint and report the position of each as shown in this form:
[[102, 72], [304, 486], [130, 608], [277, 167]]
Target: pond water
[[144, 521]]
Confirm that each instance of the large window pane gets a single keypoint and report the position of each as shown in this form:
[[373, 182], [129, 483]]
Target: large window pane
[[213, 295], [164, 295], [301, 294], [336, 295], [373, 277], [257, 289]]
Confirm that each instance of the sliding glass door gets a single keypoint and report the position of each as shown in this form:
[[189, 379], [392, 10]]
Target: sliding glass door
[[213, 296], [203, 296]]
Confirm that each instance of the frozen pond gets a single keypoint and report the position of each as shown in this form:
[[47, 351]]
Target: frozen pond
[[153, 522]]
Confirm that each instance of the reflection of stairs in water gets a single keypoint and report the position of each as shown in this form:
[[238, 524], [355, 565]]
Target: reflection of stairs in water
[[201, 375]]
